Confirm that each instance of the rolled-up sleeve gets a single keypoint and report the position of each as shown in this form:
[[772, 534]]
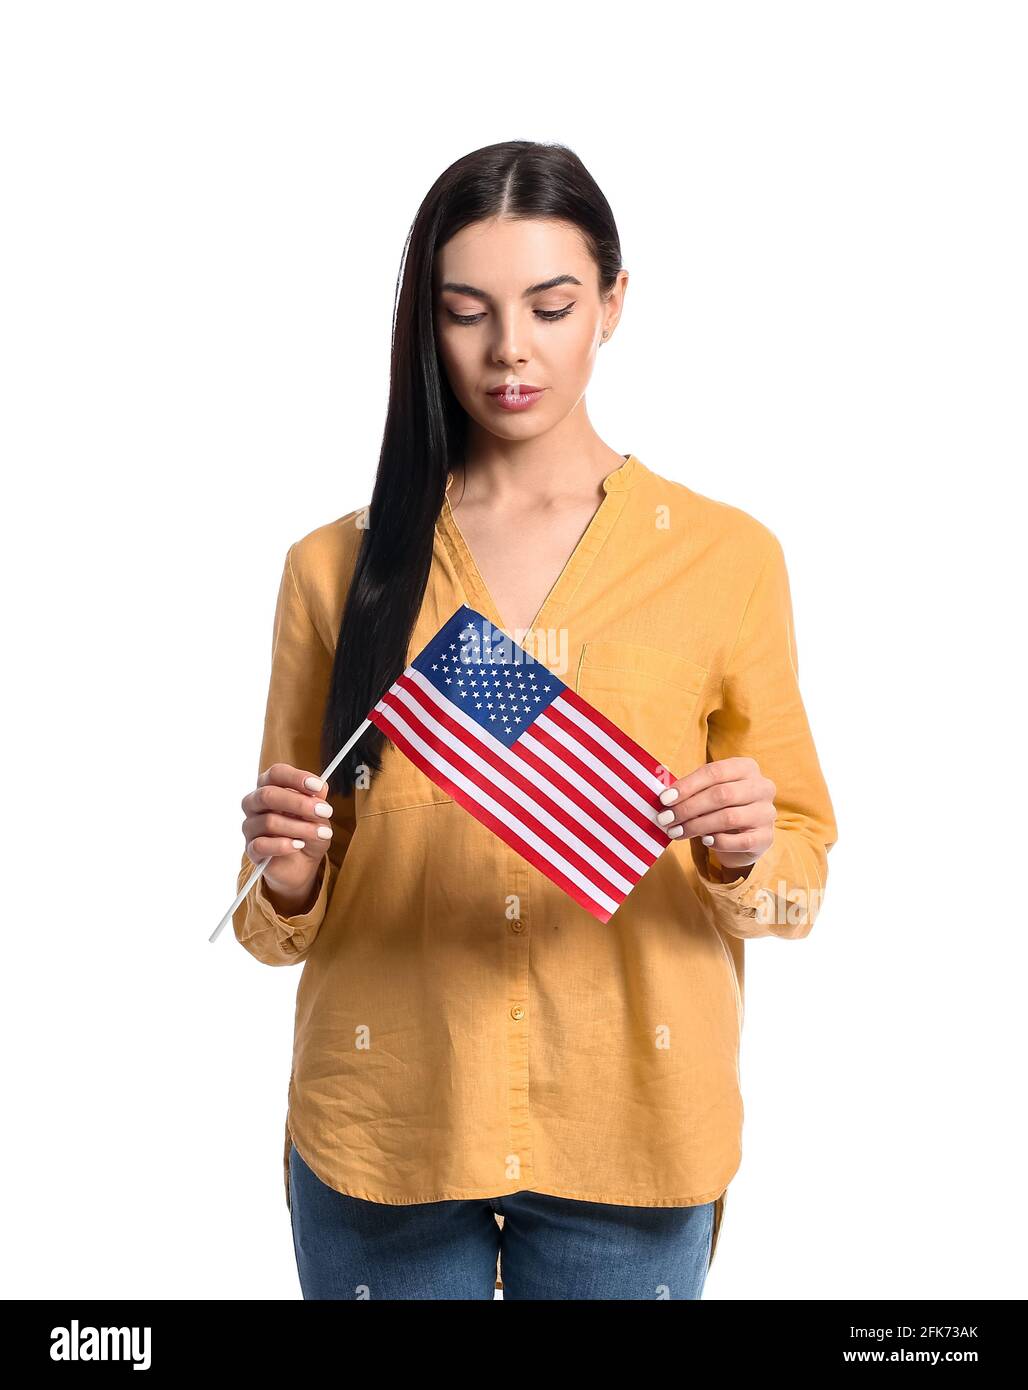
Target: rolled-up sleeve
[[301, 670], [762, 716]]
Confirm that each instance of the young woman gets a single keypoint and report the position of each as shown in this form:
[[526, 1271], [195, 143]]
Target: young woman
[[481, 1067]]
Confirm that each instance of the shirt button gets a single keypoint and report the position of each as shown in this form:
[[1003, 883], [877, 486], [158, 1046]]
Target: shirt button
[[517, 925], [517, 1013]]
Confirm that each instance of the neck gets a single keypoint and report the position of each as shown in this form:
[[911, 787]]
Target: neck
[[516, 483]]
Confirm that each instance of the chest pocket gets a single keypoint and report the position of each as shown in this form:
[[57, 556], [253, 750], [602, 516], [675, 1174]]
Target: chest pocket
[[651, 694]]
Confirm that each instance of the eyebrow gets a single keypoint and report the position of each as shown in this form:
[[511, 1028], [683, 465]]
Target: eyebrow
[[458, 288]]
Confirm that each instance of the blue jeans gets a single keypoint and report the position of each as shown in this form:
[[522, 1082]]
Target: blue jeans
[[549, 1247]]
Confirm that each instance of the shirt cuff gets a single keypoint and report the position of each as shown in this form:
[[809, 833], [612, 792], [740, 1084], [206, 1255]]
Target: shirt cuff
[[746, 892], [302, 924]]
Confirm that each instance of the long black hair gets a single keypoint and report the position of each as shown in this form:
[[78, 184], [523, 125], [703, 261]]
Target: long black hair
[[426, 426]]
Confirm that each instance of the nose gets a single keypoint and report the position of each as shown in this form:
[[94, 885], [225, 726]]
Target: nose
[[511, 362], [509, 351]]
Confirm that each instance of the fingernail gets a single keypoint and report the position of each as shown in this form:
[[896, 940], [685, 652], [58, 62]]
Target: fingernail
[[677, 830], [670, 795], [665, 817], [325, 831], [313, 784], [322, 808], [299, 844], [708, 839]]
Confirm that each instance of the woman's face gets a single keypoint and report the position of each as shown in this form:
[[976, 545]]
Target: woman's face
[[497, 312]]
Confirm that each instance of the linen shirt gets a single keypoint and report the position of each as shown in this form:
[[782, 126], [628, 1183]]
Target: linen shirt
[[463, 1028]]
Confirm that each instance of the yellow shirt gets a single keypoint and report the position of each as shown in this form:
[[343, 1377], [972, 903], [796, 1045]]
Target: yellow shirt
[[463, 1028]]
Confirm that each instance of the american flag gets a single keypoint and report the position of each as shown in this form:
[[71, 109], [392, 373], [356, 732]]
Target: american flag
[[528, 757]]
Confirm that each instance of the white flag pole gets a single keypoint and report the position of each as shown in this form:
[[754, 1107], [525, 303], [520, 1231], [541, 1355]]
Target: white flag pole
[[259, 870]]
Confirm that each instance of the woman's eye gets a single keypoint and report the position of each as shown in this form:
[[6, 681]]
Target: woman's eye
[[548, 315]]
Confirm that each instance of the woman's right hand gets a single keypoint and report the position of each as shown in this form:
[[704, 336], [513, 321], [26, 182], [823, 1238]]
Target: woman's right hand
[[281, 810]]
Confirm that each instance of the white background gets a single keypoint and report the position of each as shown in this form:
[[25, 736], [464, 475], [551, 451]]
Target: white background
[[822, 209]]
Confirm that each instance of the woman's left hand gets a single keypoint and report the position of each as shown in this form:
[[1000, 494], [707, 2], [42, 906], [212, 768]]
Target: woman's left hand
[[730, 803]]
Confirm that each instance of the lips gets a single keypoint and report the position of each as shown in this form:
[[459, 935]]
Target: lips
[[524, 387]]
